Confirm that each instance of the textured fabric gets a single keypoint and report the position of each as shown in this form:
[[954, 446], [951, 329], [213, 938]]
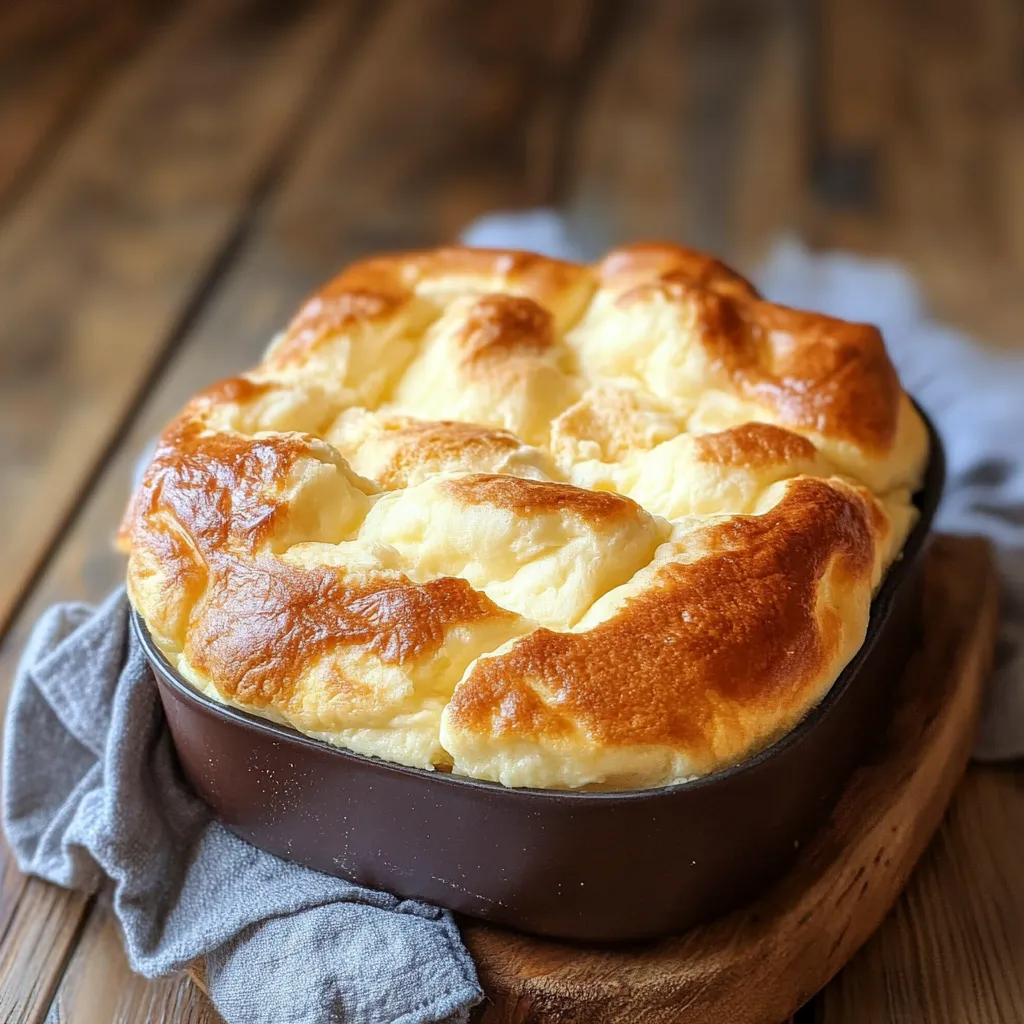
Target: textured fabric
[[92, 791], [976, 399]]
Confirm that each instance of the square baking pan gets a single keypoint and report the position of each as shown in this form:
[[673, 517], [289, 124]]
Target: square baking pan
[[598, 866]]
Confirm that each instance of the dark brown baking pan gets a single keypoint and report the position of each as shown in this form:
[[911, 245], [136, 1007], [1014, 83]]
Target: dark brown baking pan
[[594, 866]]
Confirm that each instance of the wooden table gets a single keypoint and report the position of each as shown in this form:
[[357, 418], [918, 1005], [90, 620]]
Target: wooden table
[[175, 175]]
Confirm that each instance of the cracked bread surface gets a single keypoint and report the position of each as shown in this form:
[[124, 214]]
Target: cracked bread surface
[[539, 523]]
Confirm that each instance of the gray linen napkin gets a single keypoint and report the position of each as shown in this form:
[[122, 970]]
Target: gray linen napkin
[[91, 791]]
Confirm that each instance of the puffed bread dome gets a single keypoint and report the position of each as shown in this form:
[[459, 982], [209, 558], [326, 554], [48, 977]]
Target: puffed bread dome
[[538, 523]]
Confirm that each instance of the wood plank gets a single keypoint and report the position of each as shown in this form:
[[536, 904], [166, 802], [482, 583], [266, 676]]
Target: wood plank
[[99, 265], [55, 55], [452, 110], [394, 157], [693, 128], [953, 949], [313, 225], [34, 947], [922, 129], [773, 150], [100, 987], [324, 228]]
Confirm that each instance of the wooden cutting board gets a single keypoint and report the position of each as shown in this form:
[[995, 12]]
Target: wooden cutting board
[[758, 965]]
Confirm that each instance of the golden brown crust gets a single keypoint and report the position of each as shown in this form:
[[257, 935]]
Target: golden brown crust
[[709, 644], [825, 375], [537, 497], [231, 390], [223, 488], [328, 314], [408, 443], [812, 371], [378, 288], [753, 445], [265, 624], [471, 269], [647, 262], [208, 509], [542, 523], [501, 326]]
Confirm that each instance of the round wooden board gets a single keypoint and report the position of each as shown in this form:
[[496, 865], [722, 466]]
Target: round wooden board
[[760, 964]]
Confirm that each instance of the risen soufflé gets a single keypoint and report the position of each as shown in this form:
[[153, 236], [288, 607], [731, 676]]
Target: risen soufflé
[[549, 525]]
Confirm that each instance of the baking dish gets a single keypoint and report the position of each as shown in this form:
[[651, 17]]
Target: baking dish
[[599, 866]]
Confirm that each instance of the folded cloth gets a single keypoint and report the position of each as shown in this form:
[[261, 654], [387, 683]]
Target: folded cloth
[[976, 398], [91, 791]]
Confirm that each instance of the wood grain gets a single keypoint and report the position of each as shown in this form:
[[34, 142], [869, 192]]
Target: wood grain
[[139, 225], [773, 145], [760, 964], [953, 948], [693, 128], [41, 929], [100, 986], [921, 130], [97, 330], [310, 227], [55, 55], [100, 262]]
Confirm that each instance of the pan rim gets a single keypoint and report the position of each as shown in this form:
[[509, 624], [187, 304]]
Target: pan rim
[[927, 500]]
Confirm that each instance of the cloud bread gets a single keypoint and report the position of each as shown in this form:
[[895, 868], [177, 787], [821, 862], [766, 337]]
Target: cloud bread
[[539, 523]]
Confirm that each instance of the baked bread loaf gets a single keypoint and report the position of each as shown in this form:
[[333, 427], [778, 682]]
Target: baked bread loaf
[[538, 523]]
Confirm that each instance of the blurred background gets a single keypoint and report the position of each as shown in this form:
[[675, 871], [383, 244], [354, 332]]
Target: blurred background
[[176, 174]]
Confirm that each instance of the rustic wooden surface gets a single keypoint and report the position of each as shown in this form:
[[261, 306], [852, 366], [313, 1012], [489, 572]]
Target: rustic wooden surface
[[174, 174]]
